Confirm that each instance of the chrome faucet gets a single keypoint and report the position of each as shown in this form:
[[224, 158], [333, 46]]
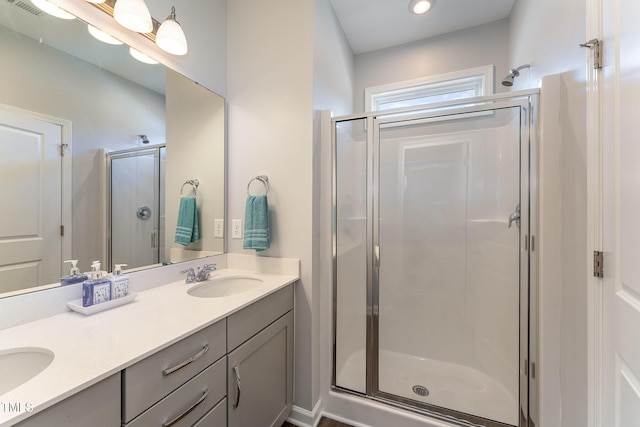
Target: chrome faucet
[[201, 276], [191, 275], [204, 272]]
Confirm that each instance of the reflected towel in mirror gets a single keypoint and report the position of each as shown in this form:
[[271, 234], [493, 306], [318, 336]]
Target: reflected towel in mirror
[[187, 230], [256, 223]]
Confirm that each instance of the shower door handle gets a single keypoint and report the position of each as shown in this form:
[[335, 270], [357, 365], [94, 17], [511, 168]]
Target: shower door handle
[[515, 216]]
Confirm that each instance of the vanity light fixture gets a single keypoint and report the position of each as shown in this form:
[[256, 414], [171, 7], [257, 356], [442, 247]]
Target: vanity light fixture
[[102, 36], [170, 36], [52, 9], [418, 7], [133, 15], [141, 56]]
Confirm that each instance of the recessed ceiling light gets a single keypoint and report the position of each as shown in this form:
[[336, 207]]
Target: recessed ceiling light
[[419, 7]]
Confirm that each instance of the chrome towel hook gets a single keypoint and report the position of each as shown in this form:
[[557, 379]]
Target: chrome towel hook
[[193, 183], [262, 178]]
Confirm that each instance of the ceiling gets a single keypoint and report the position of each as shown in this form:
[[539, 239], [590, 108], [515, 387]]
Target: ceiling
[[377, 24]]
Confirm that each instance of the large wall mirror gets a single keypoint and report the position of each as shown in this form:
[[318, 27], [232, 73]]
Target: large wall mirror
[[96, 151]]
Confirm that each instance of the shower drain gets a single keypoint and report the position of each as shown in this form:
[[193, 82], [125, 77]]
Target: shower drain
[[420, 390]]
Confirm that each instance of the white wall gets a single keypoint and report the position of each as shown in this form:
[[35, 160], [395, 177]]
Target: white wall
[[547, 34], [270, 96], [483, 45]]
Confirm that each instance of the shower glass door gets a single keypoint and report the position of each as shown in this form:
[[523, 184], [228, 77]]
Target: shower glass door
[[446, 287], [136, 211]]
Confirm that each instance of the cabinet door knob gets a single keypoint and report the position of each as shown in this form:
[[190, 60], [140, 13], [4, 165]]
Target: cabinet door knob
[[236, 371]]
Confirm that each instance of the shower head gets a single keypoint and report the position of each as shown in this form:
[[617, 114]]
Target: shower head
[[513, 73]]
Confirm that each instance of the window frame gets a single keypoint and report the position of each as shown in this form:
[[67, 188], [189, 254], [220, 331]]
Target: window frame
[[479, 79]]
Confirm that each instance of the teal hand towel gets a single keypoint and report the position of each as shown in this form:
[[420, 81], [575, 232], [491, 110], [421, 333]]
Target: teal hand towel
[[187, 229], [256, 223]]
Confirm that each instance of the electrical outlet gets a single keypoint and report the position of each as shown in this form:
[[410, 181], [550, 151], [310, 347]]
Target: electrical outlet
[[236, 229], [218, 228]]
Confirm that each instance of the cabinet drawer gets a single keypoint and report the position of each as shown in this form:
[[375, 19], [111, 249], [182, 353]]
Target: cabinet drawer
[[250, 320], [217, 417], [149, 380], [190, 402]]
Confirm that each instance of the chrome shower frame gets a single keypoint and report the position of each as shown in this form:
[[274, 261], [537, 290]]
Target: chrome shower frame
[[528, 102], [114, 155]]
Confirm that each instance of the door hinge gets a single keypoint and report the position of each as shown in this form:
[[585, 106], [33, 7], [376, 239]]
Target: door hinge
[[62, 148], [598, 264], [62, 230], [596, 47]]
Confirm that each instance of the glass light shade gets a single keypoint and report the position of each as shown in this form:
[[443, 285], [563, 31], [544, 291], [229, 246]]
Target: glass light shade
[[102, 36], [171, 38], [141, 56], [52, 9], [420, 6], [133, 15]]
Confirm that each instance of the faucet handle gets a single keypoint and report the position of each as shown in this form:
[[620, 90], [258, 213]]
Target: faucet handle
[[209, 267], [191, 275]]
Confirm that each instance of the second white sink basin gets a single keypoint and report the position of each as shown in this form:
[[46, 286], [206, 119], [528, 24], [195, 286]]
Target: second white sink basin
[[224, 286], [19, 365]]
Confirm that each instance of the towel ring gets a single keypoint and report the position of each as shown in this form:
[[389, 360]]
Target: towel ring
[[193, 183], [262, 178]]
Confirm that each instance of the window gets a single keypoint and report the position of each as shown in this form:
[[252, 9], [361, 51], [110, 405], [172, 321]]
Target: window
[[443, 87]]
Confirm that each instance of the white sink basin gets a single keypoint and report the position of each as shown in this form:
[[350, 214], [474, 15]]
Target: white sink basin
[[224, 287], [19, 365]]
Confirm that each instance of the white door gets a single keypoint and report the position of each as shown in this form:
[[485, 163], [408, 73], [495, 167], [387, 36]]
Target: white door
[[621, 214], [30, 201]]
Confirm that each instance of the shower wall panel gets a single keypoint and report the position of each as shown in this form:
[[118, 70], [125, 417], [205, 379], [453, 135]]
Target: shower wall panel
[[351, 259]]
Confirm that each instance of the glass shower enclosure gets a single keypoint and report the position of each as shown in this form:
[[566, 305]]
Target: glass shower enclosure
[[432, 259]]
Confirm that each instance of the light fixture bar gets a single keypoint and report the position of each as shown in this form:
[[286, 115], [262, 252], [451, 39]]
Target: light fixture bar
[[107, 7]]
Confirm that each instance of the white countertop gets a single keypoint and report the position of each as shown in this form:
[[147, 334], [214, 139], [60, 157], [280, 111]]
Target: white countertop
[[91, 348]]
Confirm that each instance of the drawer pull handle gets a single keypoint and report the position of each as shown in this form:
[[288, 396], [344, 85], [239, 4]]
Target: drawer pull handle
[[236, 370], [186, 362], [191, 408]]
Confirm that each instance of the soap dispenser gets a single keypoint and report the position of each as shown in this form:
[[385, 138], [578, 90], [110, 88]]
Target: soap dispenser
[[74, 274], [119, 282], [97, 289]]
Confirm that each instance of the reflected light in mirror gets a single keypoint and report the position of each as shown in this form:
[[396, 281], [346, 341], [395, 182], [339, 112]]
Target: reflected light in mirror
[[170, 36], [52, 9], [142, 57], [102, 36], [133, 15]]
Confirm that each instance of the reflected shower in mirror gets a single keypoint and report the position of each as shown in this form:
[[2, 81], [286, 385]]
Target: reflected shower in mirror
[[69, 105]]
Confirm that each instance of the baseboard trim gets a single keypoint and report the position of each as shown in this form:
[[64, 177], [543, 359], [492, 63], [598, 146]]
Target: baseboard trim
[[304, 418]]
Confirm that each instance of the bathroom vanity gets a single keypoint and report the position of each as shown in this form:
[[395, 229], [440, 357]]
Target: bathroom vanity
[[169, 358]]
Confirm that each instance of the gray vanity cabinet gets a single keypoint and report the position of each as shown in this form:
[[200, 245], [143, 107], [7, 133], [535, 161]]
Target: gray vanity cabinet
[[97, 406], [260, 370], [236, 372]]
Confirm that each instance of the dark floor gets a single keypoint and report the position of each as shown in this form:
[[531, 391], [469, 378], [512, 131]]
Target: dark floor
[[324, 422]]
